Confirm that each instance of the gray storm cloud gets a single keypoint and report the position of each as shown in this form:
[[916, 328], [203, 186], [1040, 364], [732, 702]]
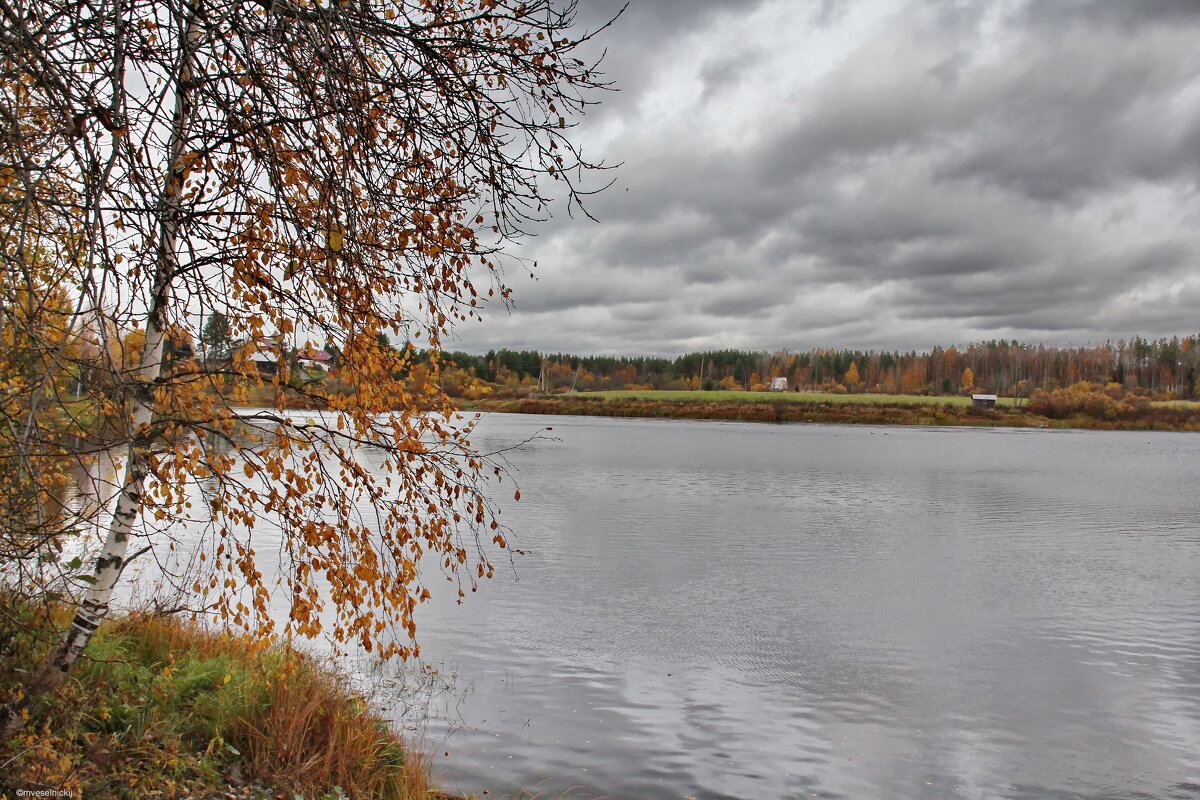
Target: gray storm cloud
[[878, 174]]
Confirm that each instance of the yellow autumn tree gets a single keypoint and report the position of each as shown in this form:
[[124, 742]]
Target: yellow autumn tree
[[968, 379], [46, 346], [321, 172], [38, 422], [851, 377]]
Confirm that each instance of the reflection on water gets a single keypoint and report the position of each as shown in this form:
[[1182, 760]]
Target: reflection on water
[[748, 611]]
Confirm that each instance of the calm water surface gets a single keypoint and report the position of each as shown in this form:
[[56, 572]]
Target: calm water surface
[[727, 610]]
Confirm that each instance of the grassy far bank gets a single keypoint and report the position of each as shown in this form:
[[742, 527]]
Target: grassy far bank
[[761, 411], [1082, 405], [161, 707], [1188, 404], [1077, 407], [721, 396]]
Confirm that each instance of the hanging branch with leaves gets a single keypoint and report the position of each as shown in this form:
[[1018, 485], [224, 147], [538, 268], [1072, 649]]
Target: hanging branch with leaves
[[323, 173]]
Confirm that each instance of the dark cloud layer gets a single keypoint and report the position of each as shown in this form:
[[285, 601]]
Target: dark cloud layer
[[879, 174], [1117, 13]]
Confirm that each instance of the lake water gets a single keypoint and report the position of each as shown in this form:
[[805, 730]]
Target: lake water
[[727, 610]]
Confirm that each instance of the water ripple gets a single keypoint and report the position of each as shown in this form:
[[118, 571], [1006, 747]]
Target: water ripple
[[753, 611]]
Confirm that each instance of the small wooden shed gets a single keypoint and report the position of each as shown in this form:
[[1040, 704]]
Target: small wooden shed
[[983, 401]]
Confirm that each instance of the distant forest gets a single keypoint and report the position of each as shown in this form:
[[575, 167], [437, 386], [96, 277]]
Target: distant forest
[[1164, 368]]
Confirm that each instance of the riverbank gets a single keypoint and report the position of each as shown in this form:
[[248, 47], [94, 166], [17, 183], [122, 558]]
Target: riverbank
[[164, 708], [876, 412]]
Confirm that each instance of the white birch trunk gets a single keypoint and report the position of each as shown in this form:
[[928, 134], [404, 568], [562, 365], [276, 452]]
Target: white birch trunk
[[96, 602]]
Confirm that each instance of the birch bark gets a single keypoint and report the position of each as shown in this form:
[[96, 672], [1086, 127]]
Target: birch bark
[[97, 600]]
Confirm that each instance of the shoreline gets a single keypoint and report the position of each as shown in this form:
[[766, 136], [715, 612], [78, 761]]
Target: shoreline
[[830, 412]]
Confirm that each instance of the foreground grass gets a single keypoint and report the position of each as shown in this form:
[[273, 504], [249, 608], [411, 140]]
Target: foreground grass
[[164, 708]]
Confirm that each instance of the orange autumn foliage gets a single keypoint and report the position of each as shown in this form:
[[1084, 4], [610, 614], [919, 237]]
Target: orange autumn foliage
[[328, 175]]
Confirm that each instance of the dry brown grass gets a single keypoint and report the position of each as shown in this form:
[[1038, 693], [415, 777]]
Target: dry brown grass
[[314, 734], [165, 707]]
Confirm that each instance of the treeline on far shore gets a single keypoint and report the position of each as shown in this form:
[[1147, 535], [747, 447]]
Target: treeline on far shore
[[1161, 369]]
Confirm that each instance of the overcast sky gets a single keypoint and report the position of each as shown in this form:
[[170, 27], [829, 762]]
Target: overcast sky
[[878, 174]]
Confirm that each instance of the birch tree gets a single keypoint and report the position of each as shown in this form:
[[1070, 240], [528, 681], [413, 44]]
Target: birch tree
[[320, 171]]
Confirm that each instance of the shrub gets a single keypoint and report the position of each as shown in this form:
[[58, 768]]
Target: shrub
[[1080, 398]]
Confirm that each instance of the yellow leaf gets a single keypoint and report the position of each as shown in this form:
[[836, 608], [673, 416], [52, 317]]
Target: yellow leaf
[[335, 239]]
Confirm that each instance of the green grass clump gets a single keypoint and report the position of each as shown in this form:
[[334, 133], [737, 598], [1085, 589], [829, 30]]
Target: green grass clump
[[163, 707]]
